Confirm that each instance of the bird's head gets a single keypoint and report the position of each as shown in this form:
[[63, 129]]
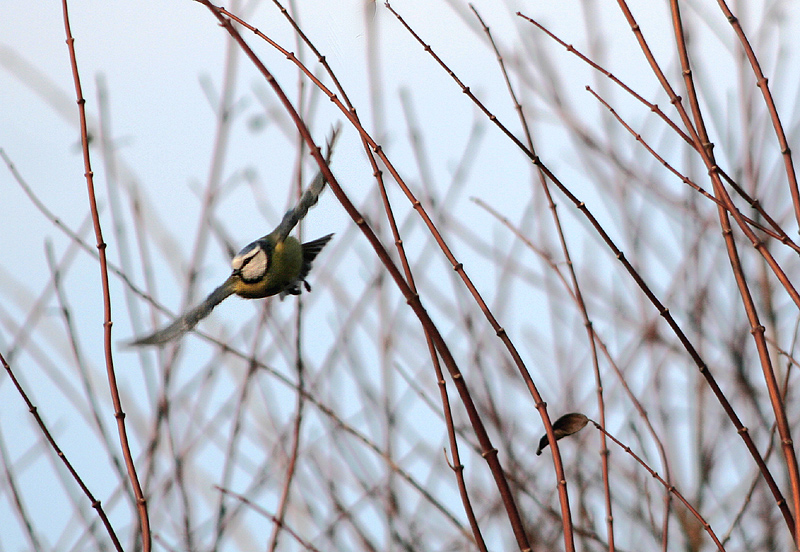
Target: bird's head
[[252, 262]]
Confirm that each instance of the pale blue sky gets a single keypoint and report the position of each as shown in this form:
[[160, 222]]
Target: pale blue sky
[[156, 59]]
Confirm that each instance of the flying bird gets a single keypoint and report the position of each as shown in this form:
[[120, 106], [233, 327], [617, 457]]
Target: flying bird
[[276, 264]]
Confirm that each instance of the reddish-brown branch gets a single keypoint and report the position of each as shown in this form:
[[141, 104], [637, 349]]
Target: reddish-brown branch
[[575, 288], [101, 247], [777, 233], [761, 82], [669, 487], [488, 451], [378, 174], [705, 148], [780, 236], [662, 310], [74, 474]]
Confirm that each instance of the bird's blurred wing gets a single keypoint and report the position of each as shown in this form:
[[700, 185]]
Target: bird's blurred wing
[[309, 197], [189, 319]]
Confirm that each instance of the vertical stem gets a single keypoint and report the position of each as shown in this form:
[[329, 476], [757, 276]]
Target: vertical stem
[[101, 247]]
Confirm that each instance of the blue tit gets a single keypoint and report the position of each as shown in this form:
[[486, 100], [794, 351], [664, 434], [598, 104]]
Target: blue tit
[[276, 264]]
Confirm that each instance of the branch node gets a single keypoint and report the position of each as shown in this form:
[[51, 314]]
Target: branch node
[[490, 452]]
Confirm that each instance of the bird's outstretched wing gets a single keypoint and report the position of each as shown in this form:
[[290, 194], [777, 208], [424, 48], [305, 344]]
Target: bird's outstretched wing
[[189, 319], [309, 197]]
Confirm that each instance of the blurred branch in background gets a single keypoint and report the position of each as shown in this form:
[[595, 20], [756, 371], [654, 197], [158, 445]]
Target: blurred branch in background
[[596, 271]]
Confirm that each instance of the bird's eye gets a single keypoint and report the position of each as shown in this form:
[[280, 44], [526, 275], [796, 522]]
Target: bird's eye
[[251, 263], [243, 256]]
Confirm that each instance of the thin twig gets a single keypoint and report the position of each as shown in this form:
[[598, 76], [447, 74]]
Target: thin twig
[[101, 246], [406, 270], [304, 543], [778, 234], [33, 410], [762, 84], [670, 488], [662, 310], [705, 149], [488, 451]]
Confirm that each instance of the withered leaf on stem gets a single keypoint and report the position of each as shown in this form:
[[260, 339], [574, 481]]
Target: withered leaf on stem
[[565, 425]]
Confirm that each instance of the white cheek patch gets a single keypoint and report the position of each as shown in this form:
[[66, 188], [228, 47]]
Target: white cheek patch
[[255, 268], [244, 256]]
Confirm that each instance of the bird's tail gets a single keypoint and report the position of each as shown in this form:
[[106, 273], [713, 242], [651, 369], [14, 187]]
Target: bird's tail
[[310, 251]]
